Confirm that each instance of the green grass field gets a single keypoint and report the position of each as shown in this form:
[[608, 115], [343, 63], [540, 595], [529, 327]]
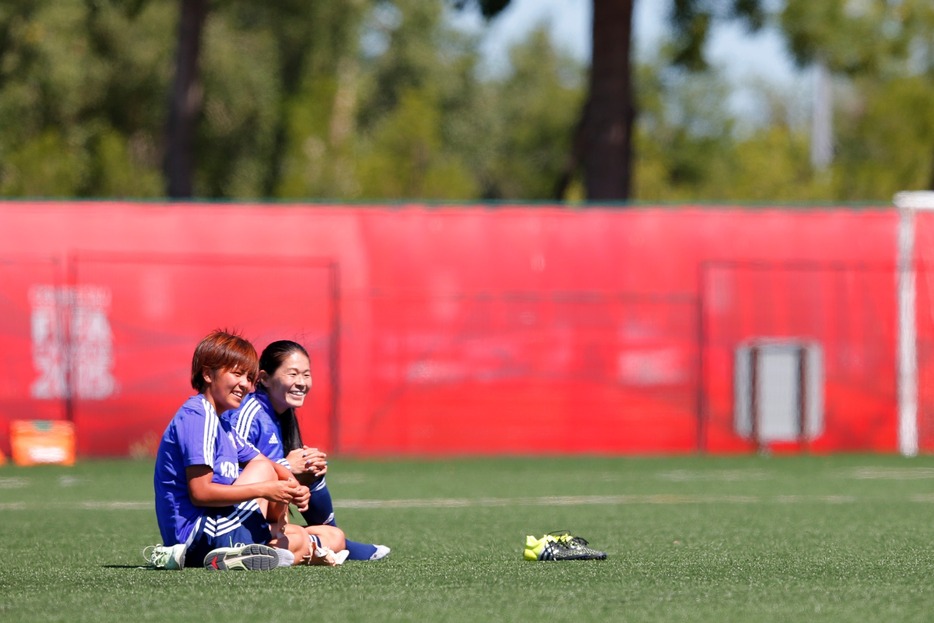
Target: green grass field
[[844, 538]]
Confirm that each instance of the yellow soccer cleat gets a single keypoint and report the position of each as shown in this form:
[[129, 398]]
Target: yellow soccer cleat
[[560, 546]]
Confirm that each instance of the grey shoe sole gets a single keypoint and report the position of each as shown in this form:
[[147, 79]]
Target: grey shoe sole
[[247, 558]]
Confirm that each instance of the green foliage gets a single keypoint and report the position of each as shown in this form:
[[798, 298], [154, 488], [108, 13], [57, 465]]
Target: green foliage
[[319, 128], [692, 21], [242, 86], [684, 137], [414, 115], [384, 100], [691, 149], [884, 60], [116, 171], [414, 119], [784, 154], [868, 38], [296, 105], [406, 157], [315, 66], [79, 80], [538, 104], [45, 166], [887, 142]]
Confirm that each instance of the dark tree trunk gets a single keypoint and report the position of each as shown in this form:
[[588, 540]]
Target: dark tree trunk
[[607, 121], [186, 100]]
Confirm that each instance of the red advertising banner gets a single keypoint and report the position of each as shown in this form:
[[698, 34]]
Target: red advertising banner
[[466, 330]]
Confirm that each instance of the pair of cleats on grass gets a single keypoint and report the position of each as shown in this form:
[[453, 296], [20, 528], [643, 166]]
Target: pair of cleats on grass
[[253, 557], [560, 545]]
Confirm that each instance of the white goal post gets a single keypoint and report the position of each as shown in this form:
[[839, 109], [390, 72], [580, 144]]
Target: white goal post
[[908, 203]]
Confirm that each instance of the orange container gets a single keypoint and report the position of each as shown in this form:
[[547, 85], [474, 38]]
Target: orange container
[[34, 442]]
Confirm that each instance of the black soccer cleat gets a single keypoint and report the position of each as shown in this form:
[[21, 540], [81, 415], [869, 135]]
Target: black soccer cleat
[[560, 546]]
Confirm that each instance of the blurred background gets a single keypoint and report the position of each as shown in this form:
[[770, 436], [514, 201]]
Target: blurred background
[[607, 226], [717, 100]]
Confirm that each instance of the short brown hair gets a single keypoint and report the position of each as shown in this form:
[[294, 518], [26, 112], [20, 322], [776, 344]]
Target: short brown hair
[[222, 350]]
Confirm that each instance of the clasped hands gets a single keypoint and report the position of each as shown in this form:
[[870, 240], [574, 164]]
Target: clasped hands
[[307, 460]]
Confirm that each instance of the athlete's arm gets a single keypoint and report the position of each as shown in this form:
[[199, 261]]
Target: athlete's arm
[[304, 496], [205, 492]]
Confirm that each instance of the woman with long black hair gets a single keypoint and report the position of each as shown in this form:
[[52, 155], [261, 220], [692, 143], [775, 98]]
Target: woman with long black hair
[[266, 418]]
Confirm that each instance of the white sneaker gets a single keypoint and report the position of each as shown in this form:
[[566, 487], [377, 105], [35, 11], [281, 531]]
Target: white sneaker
[[253, 557], [381, 552], [165, 557]]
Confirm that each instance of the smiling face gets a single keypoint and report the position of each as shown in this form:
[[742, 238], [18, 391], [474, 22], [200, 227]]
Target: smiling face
[[223, 369], [225, 389], [288, 385]]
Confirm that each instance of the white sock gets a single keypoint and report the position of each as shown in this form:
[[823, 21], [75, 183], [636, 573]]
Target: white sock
[[286, 558]]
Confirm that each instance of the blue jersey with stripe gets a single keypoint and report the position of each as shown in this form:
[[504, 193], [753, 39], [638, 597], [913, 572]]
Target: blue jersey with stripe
[[255, 420], [195, 436]]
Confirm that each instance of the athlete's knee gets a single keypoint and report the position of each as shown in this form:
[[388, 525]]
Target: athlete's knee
[[256, 471], [336, 536], [331, 536], [294, 539]]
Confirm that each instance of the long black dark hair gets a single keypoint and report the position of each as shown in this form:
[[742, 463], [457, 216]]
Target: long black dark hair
[[269, 361]]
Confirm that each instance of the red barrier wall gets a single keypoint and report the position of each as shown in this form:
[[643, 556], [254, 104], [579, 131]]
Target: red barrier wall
[[450, 330]]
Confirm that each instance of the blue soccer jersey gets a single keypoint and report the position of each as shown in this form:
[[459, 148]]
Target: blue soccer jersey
[[195, 436], [255, 421]]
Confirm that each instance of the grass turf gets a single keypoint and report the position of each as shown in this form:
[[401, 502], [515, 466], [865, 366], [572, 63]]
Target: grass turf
[[839, 538]]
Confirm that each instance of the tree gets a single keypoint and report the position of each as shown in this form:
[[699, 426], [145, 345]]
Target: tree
[[419, 109], [243, 72], [315, 47], [186, 100], [81, 85], [883, 59], [603, 138], [431, 126], [604, 145], [533, 105]]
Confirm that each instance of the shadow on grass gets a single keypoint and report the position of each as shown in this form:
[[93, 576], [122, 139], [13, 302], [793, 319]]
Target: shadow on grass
[[146, 568]]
